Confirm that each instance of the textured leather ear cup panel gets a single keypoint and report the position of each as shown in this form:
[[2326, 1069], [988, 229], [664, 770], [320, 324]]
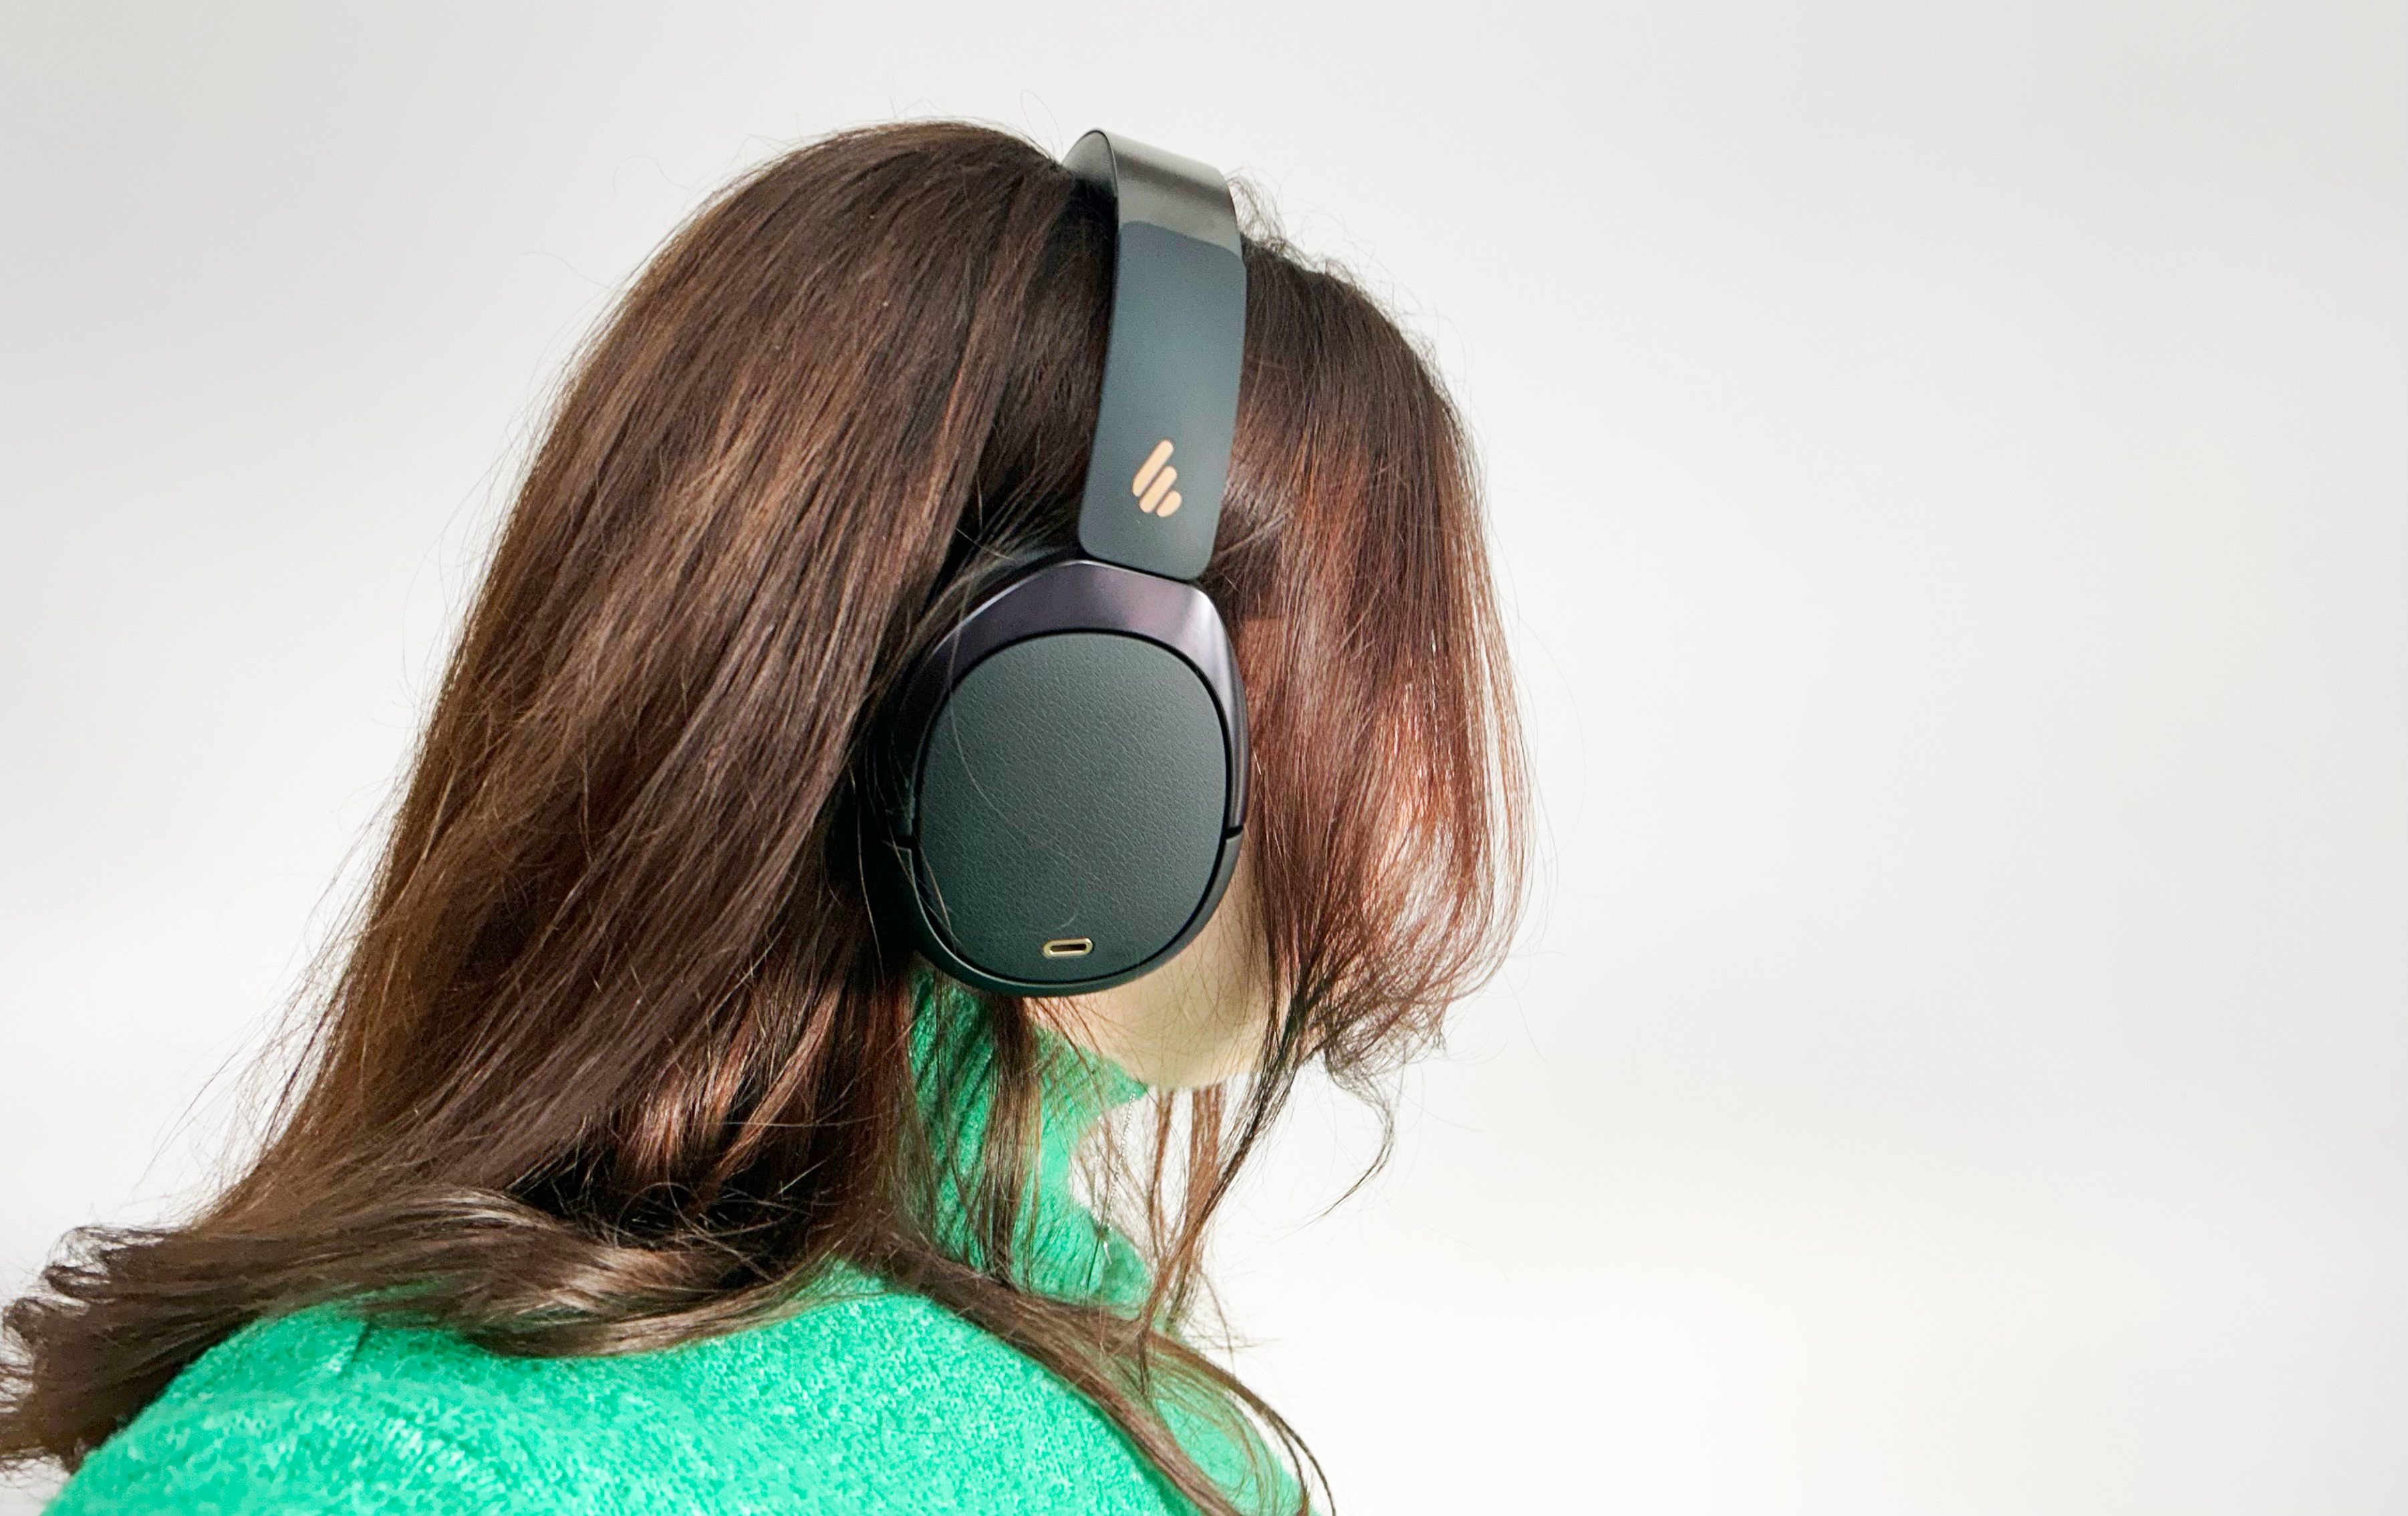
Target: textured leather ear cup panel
[[1073, 786]]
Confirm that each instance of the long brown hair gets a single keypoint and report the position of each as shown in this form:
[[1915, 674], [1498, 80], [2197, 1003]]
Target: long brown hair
[[615, 1057]]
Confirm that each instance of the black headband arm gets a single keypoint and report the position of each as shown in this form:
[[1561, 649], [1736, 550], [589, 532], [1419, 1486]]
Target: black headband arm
[[1172, 362]]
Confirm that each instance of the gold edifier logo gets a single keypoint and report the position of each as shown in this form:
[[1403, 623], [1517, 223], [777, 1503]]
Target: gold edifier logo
[[1151, 486]]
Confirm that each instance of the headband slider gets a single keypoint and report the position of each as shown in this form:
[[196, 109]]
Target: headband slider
[[1172, 362]]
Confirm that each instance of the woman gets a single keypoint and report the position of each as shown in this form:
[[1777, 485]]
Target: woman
[[634, 1165]]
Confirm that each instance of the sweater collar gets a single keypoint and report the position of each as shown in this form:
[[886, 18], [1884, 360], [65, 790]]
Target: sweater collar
[[1060, 1247]]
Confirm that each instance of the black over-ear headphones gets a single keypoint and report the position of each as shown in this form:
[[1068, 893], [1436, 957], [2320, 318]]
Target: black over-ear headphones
[[1065, 785]]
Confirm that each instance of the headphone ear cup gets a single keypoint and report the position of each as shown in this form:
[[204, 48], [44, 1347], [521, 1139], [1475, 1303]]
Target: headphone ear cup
[[1069, 810]]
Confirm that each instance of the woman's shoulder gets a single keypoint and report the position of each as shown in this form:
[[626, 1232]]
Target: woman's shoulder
[[865, 1399], [274, 1420]]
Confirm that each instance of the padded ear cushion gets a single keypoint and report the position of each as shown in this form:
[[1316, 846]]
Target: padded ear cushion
[[1070, 804]]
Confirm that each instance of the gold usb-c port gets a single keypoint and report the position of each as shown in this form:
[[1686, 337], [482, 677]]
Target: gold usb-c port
[[1069, 947]]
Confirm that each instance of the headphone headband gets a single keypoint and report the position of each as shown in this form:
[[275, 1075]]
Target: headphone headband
[[1171, 363]]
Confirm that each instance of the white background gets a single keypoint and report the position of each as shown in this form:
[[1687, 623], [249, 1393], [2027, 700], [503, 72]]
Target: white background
[[1948, 480]]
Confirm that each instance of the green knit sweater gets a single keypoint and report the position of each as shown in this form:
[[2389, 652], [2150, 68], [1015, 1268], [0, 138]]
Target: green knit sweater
[[869, 1399]]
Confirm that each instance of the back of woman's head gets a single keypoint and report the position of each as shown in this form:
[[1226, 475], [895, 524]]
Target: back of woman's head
[[618, 1054]]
